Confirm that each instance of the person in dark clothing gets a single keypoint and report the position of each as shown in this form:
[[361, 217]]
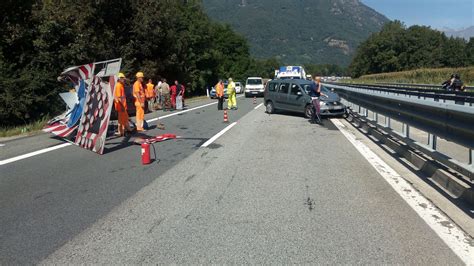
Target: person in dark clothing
[[315, 94], [454, 83]]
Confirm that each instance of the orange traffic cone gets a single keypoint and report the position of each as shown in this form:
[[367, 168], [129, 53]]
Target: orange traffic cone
[[225, 116], [254, 99]]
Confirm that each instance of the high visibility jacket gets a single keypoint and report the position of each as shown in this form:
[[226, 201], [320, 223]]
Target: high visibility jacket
[[219, 89], [138, 92], [150, 90], [120, 98], [231, 88]]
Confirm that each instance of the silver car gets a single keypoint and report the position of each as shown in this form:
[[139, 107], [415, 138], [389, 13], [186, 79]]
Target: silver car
[[293, 95]]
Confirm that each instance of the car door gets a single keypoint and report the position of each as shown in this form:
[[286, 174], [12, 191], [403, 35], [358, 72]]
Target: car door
[[282, 96], [296, 101]]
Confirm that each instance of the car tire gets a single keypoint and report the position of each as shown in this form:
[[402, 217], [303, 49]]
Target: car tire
[[308, 111], [270, 108]]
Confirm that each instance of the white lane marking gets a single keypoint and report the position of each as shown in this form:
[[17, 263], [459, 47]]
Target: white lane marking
[[256, 107], [24, 156], [31, 154], [450, 233], [211, 140], [1, 144]]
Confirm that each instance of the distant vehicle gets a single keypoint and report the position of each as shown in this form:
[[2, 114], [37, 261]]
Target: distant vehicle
[[290, 72], [212, 94], [293, 95], [238, 87], [254, 87]]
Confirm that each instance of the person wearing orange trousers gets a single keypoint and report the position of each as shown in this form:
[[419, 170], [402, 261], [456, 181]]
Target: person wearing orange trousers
[[120, 102], [139, 95]]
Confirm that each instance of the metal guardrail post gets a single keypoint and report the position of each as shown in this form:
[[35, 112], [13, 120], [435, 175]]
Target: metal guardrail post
[[432, 141], [406, 130], [388, 123], [471, 157]]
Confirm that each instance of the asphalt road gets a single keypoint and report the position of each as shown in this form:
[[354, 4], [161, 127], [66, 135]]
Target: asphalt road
[[273, 189], [47, 199]]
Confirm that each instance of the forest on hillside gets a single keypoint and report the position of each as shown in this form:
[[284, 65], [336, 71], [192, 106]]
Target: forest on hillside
[[172, 39], [300, 32], [398, 48]]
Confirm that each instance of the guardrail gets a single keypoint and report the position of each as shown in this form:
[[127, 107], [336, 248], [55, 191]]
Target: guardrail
[[422, 86], [450, 117], [465, 96]]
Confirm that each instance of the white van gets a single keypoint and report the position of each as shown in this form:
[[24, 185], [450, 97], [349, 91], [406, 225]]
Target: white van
[[254, 87]]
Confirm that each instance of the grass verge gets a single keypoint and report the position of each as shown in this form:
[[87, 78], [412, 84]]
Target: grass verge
[[420, 76], [24, 129]]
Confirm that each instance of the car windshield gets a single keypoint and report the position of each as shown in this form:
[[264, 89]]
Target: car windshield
[[307, 89], [237, 84], [254, 82]]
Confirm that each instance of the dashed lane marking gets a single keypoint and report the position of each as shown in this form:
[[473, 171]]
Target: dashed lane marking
[[211, 140], [60, 146]]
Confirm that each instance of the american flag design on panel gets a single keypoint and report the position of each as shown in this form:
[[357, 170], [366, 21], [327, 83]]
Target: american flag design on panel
[[95, 118], [62, 126], [87, 121]]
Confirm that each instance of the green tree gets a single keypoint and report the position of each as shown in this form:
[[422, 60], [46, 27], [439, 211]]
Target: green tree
[[470, 52], [397, 48]]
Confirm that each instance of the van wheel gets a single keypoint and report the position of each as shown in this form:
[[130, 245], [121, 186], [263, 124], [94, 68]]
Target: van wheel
[[308, 111], [270, 108]]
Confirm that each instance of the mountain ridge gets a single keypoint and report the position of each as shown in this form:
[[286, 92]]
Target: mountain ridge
[[465, 33], [299, 32]]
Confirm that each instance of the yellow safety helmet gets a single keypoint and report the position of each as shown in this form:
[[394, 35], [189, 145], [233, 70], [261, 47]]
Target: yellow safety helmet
[[121, 75], [140, 75]]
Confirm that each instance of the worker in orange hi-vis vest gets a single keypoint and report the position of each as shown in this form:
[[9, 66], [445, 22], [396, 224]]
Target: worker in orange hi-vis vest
[[139, 94], [120, 102], [150, 94]]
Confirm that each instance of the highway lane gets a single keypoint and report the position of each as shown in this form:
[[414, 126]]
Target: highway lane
[[273, 190], [47, 199]]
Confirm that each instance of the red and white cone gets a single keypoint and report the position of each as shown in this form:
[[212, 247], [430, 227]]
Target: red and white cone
[[254, 99], [226, 119]]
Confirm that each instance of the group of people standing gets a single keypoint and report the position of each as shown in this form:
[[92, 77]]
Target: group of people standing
[[231, 93], [145, 96]]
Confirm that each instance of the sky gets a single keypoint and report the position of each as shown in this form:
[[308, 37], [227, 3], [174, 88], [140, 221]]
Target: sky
[[439, 14]]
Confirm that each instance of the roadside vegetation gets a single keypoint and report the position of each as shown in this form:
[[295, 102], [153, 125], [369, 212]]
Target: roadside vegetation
[[26, 129], [419, 76], [398, 48], [162, 38]]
